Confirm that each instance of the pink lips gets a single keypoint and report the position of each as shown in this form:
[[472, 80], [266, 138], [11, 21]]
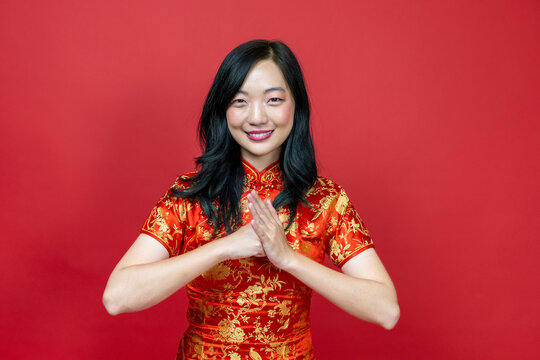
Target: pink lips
[[258, 135]]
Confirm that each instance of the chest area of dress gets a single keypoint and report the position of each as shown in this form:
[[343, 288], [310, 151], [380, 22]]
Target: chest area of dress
[[308, 233]]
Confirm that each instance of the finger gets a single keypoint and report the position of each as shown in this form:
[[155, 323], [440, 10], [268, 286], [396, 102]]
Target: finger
[[272, 218], [258, 230], [259, 208], [263, 209], [256, 214], [260, 252], [273, 211], [253, 211], [255, 199], [252, 206]]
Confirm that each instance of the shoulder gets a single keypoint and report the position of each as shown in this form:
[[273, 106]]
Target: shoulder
[[327, 195], [184, 181], [326, 182], [171, 202], [324, 186]]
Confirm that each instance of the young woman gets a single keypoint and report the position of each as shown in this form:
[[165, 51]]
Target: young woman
[[247, 233]]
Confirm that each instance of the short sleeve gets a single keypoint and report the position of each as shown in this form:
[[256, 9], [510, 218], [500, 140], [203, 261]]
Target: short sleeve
[[349, 236], [166, 223]]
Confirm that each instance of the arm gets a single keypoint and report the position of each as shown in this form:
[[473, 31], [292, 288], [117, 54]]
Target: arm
[[364, 289], [146, 276]]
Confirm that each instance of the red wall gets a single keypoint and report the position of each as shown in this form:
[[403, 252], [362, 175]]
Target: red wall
[[427, 112]]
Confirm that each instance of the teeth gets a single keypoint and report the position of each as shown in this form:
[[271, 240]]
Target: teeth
[[260, 135]]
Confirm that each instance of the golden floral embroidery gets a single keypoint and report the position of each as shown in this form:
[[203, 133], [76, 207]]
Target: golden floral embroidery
[[248, 308], [230, 331], [218, 272]]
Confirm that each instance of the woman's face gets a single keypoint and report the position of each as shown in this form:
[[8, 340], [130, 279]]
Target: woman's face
[[261, 114]]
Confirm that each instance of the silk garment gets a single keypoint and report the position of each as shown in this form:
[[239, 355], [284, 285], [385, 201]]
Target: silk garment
[[248, 308]]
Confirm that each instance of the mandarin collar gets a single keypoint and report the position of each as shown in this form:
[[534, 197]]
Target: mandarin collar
[[269, 177]]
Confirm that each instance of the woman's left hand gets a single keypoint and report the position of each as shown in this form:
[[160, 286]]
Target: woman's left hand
[[268, 227], [364, 289]]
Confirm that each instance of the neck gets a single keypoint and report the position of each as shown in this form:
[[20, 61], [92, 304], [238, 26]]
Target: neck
[[261, 162]]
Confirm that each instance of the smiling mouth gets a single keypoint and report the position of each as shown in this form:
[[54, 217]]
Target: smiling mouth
[[259, 134]]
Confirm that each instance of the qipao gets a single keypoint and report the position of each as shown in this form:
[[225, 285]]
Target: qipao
[[248, 308]]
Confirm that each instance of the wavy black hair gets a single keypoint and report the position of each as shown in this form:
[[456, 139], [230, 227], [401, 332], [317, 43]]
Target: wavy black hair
[[218, 184]]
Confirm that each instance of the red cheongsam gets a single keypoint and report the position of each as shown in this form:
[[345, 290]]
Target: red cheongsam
[[248, 308]]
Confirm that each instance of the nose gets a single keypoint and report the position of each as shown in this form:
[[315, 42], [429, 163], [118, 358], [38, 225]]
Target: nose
[[257, 115]]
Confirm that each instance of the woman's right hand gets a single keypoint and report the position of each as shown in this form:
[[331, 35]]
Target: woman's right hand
[[146, 274], [243, 243]]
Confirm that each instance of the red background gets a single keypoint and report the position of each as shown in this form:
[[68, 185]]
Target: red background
[[427, 112]]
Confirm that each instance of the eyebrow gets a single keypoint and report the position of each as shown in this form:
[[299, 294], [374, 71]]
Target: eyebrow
[[277, 88]]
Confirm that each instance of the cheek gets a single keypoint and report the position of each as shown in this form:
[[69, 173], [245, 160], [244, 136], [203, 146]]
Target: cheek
[[285, 115], [233, 119], [234, 124]]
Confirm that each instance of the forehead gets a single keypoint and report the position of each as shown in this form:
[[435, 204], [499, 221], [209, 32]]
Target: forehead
[[263, 75]]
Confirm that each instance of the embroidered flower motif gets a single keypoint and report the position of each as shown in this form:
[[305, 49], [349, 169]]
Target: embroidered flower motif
[[218, 272], [247, 307], [228, 330]]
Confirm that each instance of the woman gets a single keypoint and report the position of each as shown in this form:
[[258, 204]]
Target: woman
[[249, 269]]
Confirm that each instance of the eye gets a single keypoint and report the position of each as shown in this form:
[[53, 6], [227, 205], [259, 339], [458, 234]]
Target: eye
[[238, 102], [275, 100]]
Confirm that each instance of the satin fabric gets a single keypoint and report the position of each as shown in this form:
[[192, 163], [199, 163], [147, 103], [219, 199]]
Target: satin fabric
[[248, 308]]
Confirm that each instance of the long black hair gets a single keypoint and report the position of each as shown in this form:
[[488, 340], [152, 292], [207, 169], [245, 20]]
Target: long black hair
[[218, 184]]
